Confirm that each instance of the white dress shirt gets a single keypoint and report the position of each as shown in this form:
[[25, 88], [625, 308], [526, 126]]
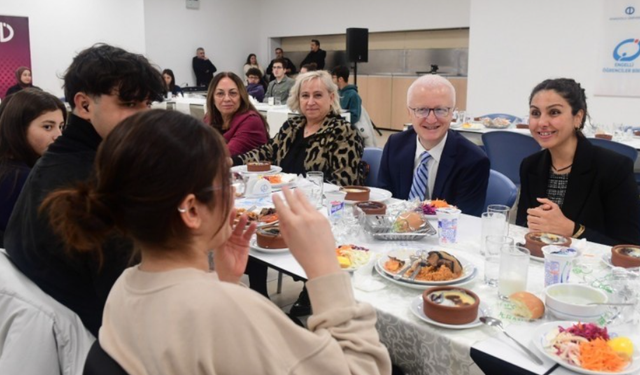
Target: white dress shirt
[[432, 163]]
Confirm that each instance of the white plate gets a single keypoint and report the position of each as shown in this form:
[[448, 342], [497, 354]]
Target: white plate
[[468, 269], [243, 169], [606, 259], [539, 337], [416, 309], [425, 286], [288, 179], [536, 259], [351, 269], [376, 195], [254, 245]]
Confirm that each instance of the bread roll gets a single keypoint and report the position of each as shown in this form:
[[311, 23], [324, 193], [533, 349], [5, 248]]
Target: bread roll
[[408, 222], [526, 305]]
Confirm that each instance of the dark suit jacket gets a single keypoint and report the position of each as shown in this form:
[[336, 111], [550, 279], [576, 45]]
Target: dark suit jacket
[[463, 171], [602, 193]]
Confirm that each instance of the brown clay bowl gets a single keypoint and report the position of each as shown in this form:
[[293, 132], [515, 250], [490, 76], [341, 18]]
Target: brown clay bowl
[[454, 314], [262, 166], [627, 256], [522, 126], [356, 193], [608, 137], [270, 238], [535, 241], [371, 208]]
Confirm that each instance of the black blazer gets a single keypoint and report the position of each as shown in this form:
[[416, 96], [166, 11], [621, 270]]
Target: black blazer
[[463, 171], [602, 193]]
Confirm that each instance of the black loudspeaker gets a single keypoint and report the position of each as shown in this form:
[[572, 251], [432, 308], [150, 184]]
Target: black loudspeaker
[[357, 45]]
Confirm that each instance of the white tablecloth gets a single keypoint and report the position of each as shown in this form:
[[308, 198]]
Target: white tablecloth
[[420, 348]]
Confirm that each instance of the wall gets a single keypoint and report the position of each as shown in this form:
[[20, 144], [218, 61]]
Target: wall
[[60, 29], [227, 30], [510, 51], [284, 18]]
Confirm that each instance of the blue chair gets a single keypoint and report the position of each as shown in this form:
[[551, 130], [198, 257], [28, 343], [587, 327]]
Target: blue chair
[[501, 190], [372, 156], [506, 150], [511, 118], [620, 148]]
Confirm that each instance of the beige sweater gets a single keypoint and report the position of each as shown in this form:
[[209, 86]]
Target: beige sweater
[[187, 321]]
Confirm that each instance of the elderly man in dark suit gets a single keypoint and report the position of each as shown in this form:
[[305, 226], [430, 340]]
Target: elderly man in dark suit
[[429, 161]]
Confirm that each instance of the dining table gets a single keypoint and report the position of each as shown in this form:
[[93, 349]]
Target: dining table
[[421, 347]]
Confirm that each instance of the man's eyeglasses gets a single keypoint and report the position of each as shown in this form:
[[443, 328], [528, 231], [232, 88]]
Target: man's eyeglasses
[[424, 112]]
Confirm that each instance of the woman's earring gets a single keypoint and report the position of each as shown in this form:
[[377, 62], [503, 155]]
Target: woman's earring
[[182, 210]]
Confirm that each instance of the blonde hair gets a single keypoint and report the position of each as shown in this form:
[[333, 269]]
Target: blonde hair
[[294, 94], [432, 82]]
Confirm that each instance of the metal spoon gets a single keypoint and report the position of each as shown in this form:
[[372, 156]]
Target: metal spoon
[[610, 304], [493, 322]]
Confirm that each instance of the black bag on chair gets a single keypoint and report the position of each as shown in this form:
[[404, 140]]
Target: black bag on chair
[[100, 363]]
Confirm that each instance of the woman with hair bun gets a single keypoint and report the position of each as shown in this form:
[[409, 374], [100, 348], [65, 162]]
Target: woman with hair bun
[[162, 179], [572, 187], [30, 120]]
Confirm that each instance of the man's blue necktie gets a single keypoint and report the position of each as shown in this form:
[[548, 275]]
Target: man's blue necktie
[[420, 186]]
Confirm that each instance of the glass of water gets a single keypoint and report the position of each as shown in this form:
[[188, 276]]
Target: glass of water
[[316, 180], [493, 246]]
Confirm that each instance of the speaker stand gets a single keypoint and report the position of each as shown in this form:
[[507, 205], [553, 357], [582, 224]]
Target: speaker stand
[[355, 73]]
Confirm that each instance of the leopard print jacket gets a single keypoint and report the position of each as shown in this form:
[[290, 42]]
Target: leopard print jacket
[[335, 149]]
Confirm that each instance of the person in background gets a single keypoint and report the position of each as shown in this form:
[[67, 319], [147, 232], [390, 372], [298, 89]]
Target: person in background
[[349, 98], [279, 88], [255, 86], [23, 76], [252, 62], [194, 316], [103, 85], [318, 139], [170, 82], [30, 120], [289, 67], [571, 187], [203, 68], [316, 55], [308, 68], [230, 112], [430, 161]]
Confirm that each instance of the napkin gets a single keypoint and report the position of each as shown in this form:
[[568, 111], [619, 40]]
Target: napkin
[[364, 280]]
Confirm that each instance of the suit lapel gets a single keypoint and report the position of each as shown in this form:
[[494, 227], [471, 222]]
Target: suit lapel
[[405, 170], [580, 179], [446, 164]]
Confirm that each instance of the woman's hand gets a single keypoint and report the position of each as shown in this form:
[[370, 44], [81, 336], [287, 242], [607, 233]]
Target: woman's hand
[[307, 233], [230, 259], [548, 217]]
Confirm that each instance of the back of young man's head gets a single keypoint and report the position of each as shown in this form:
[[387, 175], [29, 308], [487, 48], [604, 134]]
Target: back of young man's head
[[104, 70], [341, 71]]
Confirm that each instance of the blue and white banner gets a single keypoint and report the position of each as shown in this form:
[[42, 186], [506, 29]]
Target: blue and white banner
[[619, 65]]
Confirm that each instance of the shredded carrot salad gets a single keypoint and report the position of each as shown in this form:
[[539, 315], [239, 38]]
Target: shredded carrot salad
[[596, 355]]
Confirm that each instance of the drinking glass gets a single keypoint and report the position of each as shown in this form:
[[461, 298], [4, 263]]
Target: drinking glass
[[239, 183], [501, 208], [493, 247], [514, 268], [493, 224], [278, 101], [316, 180]]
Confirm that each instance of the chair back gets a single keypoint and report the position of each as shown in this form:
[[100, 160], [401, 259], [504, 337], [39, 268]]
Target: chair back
[[38, 335], [501, 190], [100, 363], [511, 118], [372, 157], [365, 128], [506, 150], [620, 148]]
